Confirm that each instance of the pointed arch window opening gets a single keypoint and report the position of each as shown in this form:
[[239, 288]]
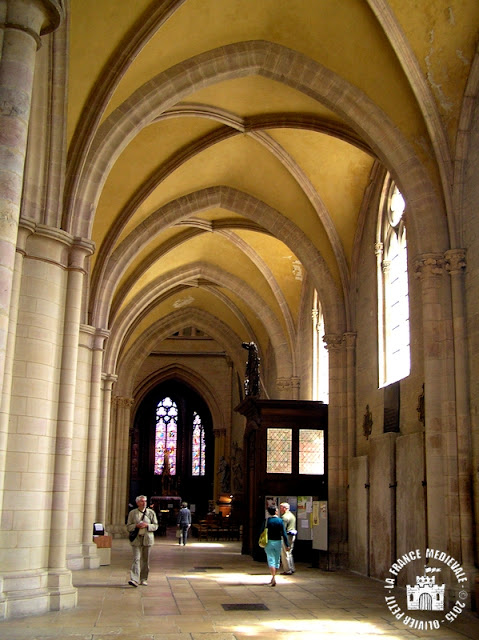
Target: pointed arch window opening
[[320, 386], [166, 437], [198, 447], [393, 299]]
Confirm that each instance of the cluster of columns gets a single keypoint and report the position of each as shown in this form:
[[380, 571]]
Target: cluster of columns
[[54, 424], [450, 453], [448, 442]]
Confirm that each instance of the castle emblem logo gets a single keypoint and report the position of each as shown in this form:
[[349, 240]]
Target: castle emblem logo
[[426, 595], [429, 593]]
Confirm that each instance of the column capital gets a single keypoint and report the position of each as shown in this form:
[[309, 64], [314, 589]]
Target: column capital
[[350, 339], [99, 338], [80, 249], [25, 229], [429, 264], [455, 261], [109, 378], [283, 383], [54, 15], [333, 341], [121, 401], [35, 18]]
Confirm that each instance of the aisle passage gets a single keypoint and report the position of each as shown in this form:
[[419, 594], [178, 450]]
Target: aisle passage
[[209, 591]]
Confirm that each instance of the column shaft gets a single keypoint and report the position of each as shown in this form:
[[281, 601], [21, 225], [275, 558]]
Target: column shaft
[[456, 265], [93, 452], [65, 415], [24, 232], [22, 25], [120, 463], [441, 469], [337, 452], [108, 381]]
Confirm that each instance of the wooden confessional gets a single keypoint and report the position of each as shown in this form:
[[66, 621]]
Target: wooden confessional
[[285, 459]]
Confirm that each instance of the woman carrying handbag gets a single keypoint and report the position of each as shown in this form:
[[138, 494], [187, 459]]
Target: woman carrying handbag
[[276, 535]]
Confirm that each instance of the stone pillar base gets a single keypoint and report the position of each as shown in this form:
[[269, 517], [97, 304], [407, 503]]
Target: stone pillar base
[[91, 559], [63, 595], [24, 594]]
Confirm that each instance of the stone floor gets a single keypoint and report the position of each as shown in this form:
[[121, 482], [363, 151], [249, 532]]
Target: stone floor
[[209, 591]]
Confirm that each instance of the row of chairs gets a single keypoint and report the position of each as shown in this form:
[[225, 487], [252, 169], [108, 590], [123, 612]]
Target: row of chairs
[[217, 528]]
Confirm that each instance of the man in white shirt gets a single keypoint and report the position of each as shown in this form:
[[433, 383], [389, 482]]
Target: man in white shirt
[[144, 522], [289, 520]]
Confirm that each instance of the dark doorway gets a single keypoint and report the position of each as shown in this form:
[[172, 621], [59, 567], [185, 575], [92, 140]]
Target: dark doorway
[[149, 463]]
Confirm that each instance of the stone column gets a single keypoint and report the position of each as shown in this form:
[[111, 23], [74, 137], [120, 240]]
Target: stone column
[[283, 386], [108, 381], [22, 24], [59, 581], [456, 266], [120, 462], [219, 435], [350, 344], [89, 550], [337, 452], [24, 231], [442, 509]]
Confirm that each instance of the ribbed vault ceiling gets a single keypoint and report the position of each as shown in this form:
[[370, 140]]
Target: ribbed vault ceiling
[[220, 152]]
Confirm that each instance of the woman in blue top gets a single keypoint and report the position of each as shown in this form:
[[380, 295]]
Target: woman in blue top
[[276, 534]]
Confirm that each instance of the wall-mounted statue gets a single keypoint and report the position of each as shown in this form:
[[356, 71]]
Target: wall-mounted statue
[[237, 468], [224, 473], [251, 382]]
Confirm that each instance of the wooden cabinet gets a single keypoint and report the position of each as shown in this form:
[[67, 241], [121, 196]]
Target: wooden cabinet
[[282, 457]]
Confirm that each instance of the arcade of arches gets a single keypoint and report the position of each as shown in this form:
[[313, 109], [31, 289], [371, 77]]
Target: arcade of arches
[[178, 178]]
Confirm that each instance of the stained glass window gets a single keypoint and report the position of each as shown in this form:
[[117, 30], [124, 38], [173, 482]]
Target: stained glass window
[[166, 437], [198, 447], [311, 451], [279, 451]]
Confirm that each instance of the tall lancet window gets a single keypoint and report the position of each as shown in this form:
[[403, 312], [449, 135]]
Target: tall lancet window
[[166, 437], [393, 289], [198, 447], [320, 355]]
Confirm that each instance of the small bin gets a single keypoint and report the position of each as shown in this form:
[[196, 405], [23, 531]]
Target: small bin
[[103, 544]]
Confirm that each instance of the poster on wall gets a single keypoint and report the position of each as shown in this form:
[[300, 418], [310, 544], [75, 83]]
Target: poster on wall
[[320, 525], [304, 518]]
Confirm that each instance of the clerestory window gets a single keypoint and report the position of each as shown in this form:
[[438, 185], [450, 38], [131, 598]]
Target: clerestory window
[[393, 288], [320, 385]]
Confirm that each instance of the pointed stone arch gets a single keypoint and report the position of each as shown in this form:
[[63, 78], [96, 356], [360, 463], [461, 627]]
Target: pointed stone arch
[[237, 202], [129, 364], [183, 374], [281, 64], [282, 344]]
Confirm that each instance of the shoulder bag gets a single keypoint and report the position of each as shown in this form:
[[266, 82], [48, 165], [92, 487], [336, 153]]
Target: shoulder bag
[[132, 535]]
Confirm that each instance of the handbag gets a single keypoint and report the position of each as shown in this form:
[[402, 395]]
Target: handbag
[[263, 538], [132, 534], [178, 533]]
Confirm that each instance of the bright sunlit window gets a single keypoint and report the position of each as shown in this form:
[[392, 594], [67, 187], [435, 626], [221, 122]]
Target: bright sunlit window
[[279, 450], [393, 289], [320, 355]]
